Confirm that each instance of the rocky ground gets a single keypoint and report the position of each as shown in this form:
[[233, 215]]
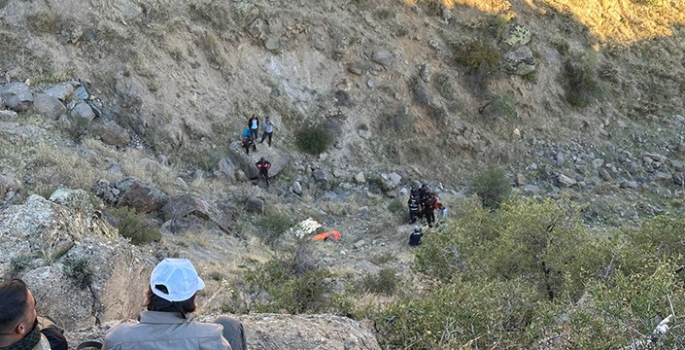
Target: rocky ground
[[141, 105]]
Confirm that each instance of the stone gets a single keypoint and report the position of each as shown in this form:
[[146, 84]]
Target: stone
[[392, 180], [677, 165], [8, 116], [187, 213], [604, 174], [520, 179], [321, 178], [519, 62], [17, 96], [254, 205], [566, 181], [531, 189], [560, 159], [225, 168], [633, 168], [425, 72], [77, 199], [272, 43], [355, 70], [678, 178], [112, 134], [139, 195], [83, 111], [360, 178], [629, 184], [296, 188], [369, 83], [48, 106], [646, 160], [384, 58], [60, 91], [596, 163], [533, 166], [446, 13], [359, 244]]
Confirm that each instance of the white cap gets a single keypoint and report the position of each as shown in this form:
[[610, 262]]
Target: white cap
[[179, 277]]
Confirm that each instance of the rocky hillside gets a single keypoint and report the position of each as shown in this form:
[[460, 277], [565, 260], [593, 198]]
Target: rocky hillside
[[141, 105]]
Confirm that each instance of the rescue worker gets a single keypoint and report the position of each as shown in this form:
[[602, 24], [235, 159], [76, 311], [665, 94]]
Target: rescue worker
[[263, 165]]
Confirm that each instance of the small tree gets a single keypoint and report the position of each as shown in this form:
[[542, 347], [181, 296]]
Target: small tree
[[492, 187], [313, 139]]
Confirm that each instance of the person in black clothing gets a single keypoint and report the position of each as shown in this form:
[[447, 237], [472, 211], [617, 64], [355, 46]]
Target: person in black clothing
[[428, 207], [414, 211], [20, 326], [247, 142], [263, 165], [415, 237]]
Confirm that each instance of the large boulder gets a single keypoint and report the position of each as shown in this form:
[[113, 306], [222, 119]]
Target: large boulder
[[139, 195], [17, 96], [188, 213], [112, 134], [50, 107], [225, 168], [520, 61], [61, 91], [45, 230], [83, 111], [98, 280], [246, 162]]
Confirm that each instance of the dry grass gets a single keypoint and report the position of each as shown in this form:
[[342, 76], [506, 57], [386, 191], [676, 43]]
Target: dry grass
[[65, 167]]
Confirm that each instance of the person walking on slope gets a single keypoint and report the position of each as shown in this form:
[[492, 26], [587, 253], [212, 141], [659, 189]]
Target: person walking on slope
[[253, 124], [168, 322], [263, 165], [268, 130]]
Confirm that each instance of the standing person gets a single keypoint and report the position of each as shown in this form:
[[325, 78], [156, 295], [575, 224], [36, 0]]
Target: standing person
[[254, 127], [442, 214], [428, 208], [268, 130], [168, 322], [263, 165], [20, 326], [414, 211]]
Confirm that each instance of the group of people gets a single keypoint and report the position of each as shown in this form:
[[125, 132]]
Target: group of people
[[167, 324], [251, 133], [422, 204]]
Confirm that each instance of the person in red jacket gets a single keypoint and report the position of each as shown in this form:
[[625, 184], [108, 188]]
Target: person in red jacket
[[263, 165]]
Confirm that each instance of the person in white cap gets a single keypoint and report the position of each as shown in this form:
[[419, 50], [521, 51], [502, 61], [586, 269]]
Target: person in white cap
[[168, 322]]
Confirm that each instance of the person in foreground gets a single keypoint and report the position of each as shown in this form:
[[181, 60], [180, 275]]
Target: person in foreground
[[168, 322], [20, 326]]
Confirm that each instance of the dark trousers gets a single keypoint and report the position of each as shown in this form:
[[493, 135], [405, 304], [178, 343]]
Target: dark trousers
[[430, 216], [413, 215], [247, 147], [254, 133], [233, 332], [264, 135], [265, 174]]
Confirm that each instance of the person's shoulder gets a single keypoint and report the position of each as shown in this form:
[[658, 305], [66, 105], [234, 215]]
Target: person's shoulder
[[206, 329]]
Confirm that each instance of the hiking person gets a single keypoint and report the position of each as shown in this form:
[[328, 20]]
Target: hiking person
[[168, 322], [20, 325], [247, 142], [415, 237], [414, 212], [268, 130], [263, 165], [428, 207], [253, 124]]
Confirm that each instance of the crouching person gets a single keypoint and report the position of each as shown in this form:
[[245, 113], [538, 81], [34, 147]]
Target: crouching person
[[20, 326], [168, 322]]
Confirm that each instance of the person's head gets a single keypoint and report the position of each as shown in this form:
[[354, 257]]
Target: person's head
[[267, 118], [17, 311], [173, 286], [261, 159]]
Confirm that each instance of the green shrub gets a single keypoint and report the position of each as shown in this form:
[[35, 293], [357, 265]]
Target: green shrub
[[43, 23], [476, 54], [396, 206], [294, 283], [313, 139], [19, 264], [132, 225], [581, 84], [79, 271], [532, 271], [384, 283], [272, 226], [492, 187]]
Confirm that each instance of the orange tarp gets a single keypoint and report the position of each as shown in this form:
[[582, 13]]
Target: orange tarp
[[332, 234]]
